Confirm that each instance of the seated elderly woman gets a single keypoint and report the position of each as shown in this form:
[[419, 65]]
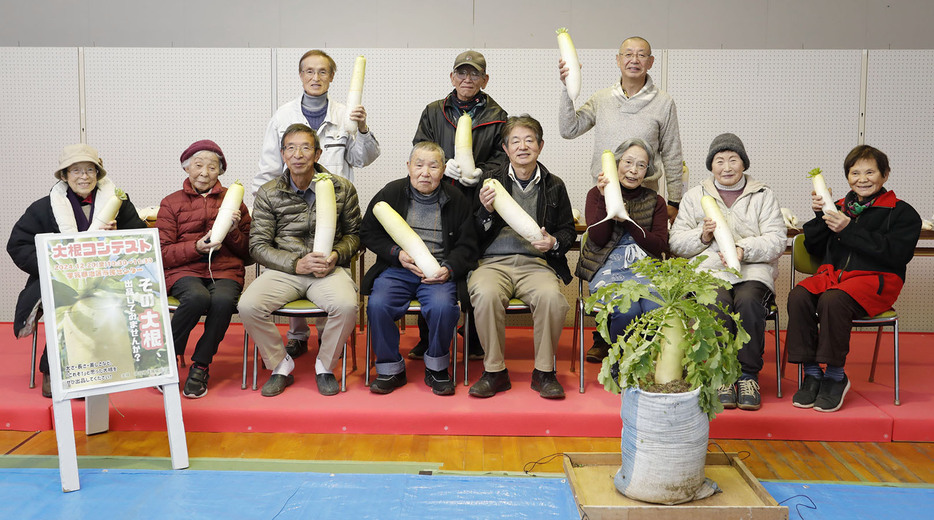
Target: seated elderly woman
[[69, 208], [755, 220], [865, 248], [613, 246], [204, 286]]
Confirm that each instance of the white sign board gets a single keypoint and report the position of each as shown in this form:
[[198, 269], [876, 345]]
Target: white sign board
[[107, 330]]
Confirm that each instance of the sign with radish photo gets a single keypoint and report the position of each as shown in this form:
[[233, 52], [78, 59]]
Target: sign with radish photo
[[110, 324]]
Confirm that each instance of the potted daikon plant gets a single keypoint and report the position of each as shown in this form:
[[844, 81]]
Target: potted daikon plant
[[668, 364]]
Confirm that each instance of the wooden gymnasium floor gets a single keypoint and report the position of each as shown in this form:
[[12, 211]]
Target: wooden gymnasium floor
[[890, 462]]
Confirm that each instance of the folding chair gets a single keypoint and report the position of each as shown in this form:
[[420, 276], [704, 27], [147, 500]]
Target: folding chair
[[804, 262], [415, 308]]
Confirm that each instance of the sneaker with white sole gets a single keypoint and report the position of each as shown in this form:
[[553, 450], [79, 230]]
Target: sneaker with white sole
[[831, 394]]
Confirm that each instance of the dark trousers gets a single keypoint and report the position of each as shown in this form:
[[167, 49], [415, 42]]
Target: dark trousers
[[751, 300], [819, 326], [216, 301]]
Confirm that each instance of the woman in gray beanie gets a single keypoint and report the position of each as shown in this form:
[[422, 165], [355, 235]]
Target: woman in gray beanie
[[752, 213]]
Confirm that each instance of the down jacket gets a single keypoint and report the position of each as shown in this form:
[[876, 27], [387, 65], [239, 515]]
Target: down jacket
[[52, 214], [755, 220], [283, 228], [184, 218]]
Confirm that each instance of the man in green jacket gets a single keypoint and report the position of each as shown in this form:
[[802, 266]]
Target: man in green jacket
[[281, 239]]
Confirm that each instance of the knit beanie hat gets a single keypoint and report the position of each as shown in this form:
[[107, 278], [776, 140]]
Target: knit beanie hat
[[204, 145], [724, 142]]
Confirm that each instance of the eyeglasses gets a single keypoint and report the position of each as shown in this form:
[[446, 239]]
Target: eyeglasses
[[640, 166], [640, 55], [462, 74], [80, 172], [292, 149], [322, 74]]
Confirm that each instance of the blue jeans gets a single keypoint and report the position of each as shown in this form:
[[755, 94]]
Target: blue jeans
[[392, 292], [620, 320]]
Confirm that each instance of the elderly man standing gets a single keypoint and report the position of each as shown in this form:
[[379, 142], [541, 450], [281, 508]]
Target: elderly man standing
[[439, 124], [632, 108], [513, 267], [202, 287], [341, 153], [281, 238], [440, 215]]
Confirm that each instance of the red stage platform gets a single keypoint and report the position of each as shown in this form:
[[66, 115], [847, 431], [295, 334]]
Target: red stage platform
[[868, 413]]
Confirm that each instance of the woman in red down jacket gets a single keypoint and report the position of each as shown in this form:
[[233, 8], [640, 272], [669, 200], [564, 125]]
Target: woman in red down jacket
[[185, 221]]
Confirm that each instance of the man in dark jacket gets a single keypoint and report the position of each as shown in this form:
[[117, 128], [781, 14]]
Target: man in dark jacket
[[440, 215], [439, 125], [515, 266]]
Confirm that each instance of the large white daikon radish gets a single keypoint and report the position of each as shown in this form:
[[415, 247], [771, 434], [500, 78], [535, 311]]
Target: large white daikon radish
[[463, 146], [355, 94], [722, 233], [325, 214], [404, 237], [612, 193], [820, 188], [569, 54], [224, 220], [108, 212], [513, 214]]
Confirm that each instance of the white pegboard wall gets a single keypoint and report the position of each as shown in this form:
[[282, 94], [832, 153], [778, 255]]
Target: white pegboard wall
[[145, 106], [39, 100], [793, 109]]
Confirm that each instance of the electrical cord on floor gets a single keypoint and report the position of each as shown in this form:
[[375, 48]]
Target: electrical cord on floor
[[809, 505], [529, 466], [743, 455]]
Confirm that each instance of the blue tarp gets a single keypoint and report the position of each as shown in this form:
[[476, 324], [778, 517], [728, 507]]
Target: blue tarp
[[807, 501]]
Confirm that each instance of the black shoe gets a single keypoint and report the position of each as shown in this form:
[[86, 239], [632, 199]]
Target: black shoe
[[439, 381], [46, 385], [276, 385], [418, 351], [490, 383], [749, 398], [547, 385], [727, 396], [296, 347], [807, 394], [598, 351], [831, 394], [327, 384], [385, 384], [196, 386]]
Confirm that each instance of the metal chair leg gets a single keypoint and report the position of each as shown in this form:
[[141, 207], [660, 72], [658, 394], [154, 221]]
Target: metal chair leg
[[366, 377], [246, 356], [778, 358], [454, 357], [897, 400], [875, 355], [580, 342], [466, 348], [344, 369], [32, 359], [255, 366]]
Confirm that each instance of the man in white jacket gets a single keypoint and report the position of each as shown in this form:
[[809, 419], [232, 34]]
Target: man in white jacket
[[341, 152]]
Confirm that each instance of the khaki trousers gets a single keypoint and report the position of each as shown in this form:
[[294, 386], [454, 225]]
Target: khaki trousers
[[336, 293], [494, 283]]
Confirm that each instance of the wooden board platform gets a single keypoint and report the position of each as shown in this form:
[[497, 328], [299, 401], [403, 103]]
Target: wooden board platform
[[591, 479]]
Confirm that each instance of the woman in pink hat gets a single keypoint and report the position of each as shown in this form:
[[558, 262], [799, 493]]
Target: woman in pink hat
[[82, 188], [211, 289]]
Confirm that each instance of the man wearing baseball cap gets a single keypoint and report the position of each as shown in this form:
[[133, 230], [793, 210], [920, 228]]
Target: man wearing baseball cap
[[439, 124]]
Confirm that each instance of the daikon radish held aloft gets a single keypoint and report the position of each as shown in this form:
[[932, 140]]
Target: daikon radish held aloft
[[513, 214], [108, 212], [722, 233], [463, 146], [404, 237], [325, 214], [224, 220], [612, 194], [355, 94], [569, 54], [820, 188]]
